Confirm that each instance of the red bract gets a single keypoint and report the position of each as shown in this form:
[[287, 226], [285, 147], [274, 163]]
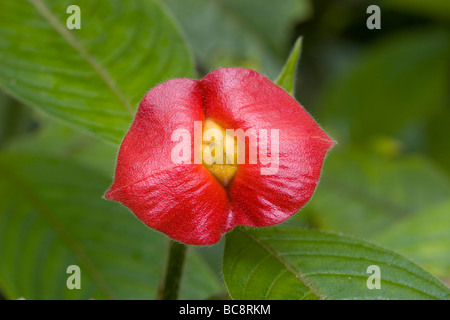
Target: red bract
[[185, 201]]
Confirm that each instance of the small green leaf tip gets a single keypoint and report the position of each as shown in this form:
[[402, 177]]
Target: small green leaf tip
[[286, 79]]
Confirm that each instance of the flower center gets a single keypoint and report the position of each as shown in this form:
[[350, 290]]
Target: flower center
[[219, 152]]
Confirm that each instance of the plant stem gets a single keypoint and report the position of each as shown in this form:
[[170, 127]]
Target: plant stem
[[168, 289]]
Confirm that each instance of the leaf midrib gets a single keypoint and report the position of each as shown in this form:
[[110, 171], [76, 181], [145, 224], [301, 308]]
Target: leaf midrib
[[286, 264], [301, 277], [75, 44], [48, 215]]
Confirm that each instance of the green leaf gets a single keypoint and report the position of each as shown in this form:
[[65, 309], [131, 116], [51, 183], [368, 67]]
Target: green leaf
[[363, 195], [424, 237], [286, 79], [289, 263], [251, 33], [401, 80], [198, 281], [52, 216], [94, 77], [65, 143]]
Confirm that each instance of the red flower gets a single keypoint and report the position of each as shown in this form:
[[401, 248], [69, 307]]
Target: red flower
[[195, 202]]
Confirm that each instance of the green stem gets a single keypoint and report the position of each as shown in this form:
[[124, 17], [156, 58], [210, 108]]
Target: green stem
[[168, 289]]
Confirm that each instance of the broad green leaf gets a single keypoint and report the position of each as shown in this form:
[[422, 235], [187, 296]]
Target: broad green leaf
[[94, 77], [230, 33], [402, 79], [425, 238], [286, 79], [52, 216], [363, 195], [290, 263], [65, 143]]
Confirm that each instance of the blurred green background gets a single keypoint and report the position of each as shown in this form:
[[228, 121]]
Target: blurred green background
[[68, 98]]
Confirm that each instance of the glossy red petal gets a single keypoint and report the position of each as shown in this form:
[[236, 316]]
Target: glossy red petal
[[242, 98], [182, 200], [264, 200]]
